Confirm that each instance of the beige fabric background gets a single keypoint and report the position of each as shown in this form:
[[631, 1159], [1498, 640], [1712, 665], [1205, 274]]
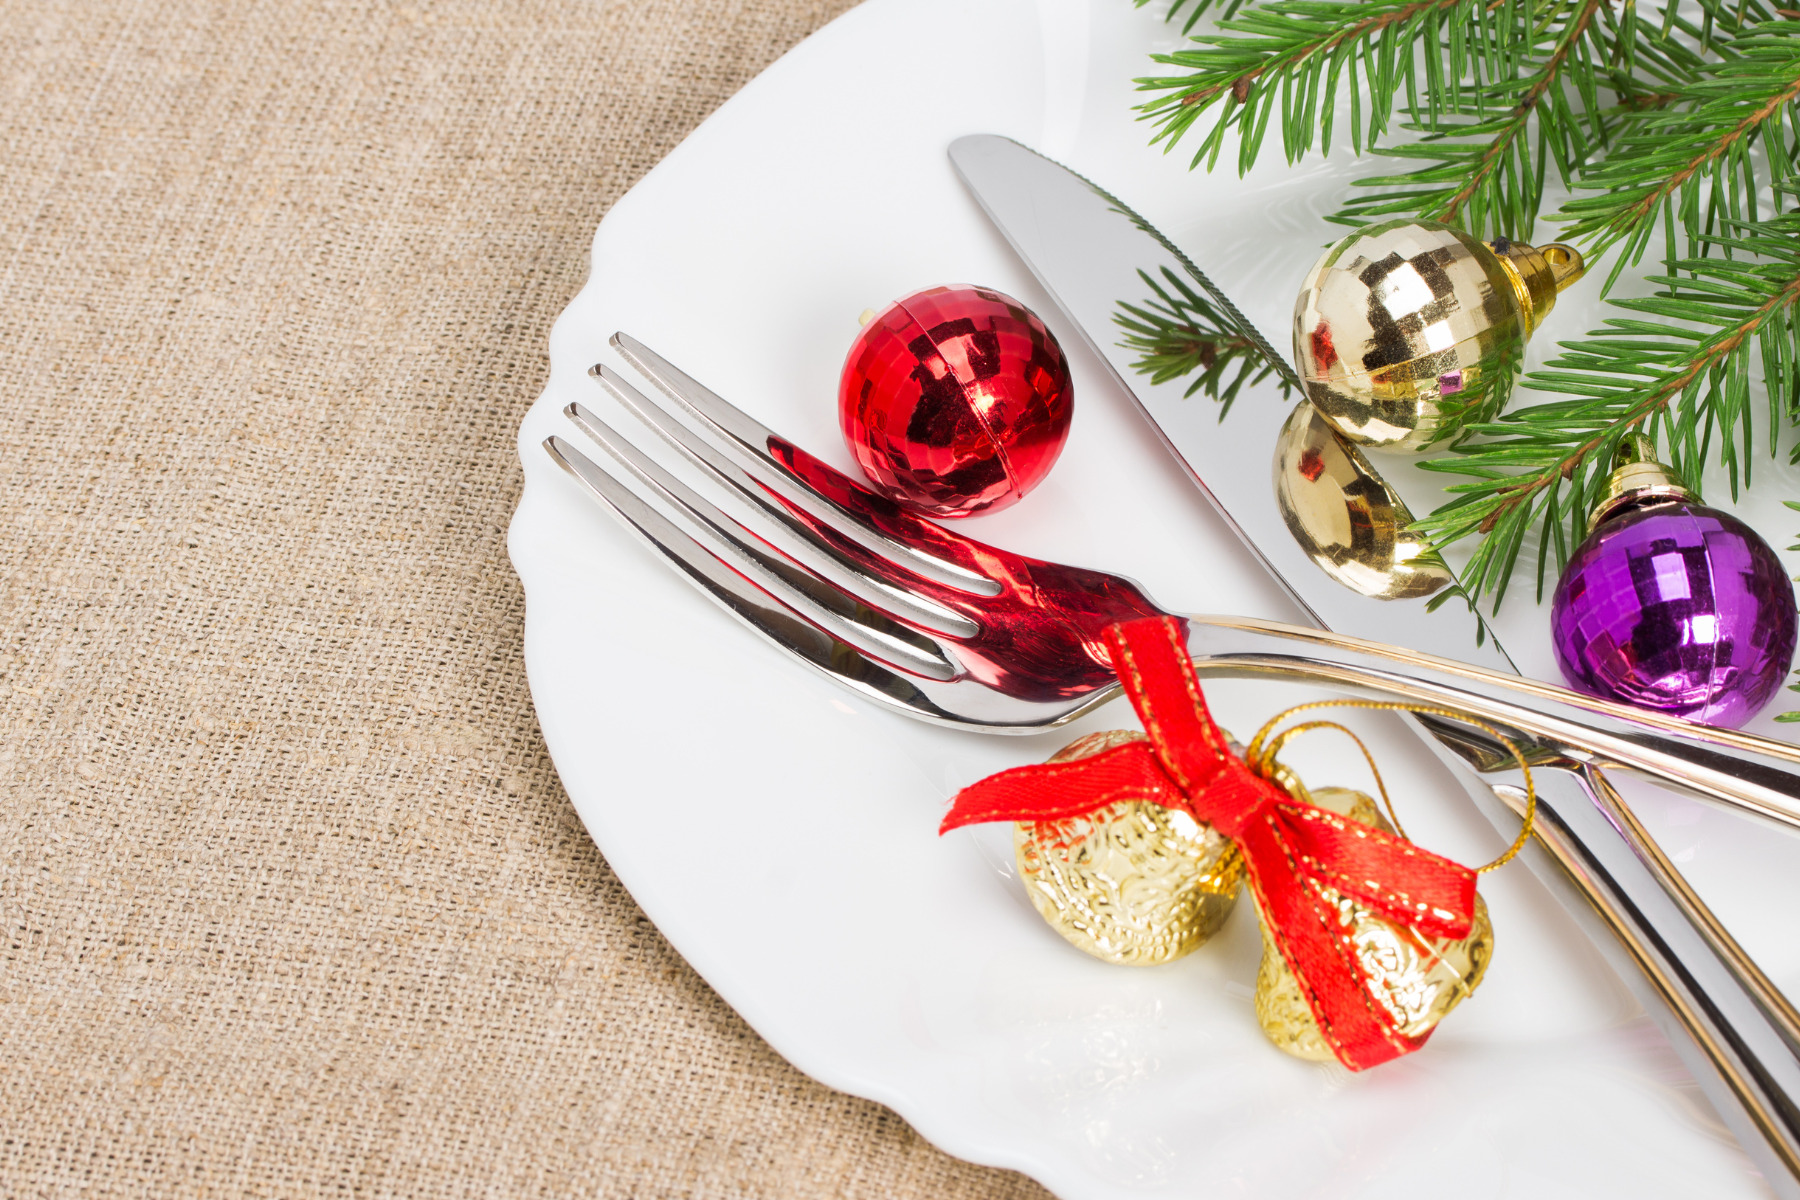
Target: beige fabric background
[[292, 901]]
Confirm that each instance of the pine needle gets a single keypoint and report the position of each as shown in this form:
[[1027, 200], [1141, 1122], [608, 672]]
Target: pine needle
[[1675, 129]]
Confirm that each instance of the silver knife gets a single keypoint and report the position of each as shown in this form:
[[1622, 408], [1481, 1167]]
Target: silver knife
[[1734, 1029]]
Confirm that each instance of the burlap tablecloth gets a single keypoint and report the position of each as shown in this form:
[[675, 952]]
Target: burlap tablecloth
[[292, 901]]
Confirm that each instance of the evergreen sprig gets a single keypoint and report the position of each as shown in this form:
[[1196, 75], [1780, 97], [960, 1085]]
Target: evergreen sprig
[[1297, 54], [1682, 377], [1484, 153], [1693, 161], [1659, 124], [1584, 74], [1492, 92]]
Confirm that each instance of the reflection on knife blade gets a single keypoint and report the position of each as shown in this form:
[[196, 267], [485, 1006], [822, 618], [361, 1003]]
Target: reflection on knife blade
[[1181, 334]]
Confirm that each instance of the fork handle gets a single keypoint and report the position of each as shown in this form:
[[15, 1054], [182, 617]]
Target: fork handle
[[1735, 1030], [1738, 770]]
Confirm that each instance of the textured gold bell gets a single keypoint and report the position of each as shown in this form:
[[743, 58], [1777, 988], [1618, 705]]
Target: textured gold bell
[[1406, 331], [1132, 883], [1418, 980]]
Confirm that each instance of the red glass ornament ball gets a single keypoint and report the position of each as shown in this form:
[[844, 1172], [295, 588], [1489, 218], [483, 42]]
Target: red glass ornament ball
[[955, 401]]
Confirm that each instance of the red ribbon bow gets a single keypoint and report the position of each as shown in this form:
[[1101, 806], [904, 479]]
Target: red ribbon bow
[[1292, 850]]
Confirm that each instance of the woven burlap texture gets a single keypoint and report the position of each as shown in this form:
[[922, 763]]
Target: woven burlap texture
[[293, 903]]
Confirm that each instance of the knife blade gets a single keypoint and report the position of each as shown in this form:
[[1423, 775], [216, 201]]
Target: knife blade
[[1734, 1029]]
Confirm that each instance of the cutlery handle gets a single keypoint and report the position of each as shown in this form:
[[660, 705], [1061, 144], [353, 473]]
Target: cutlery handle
[[1739, 770], [1733, 1029]]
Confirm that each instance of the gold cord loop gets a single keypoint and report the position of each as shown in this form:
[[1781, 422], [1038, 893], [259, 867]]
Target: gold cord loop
[[1261, 752]]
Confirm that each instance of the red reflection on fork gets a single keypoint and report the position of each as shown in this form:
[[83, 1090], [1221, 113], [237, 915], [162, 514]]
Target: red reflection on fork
[[1046, 617]]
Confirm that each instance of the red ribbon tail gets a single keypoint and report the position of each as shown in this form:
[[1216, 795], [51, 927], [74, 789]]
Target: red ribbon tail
[[1051, 791], [1323, 962]]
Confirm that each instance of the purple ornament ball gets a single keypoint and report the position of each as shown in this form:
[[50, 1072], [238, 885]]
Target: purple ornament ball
[[1679, 609]]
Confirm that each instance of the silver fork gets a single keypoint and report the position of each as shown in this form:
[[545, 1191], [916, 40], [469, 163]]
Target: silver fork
[[943, 628], [946, 629]]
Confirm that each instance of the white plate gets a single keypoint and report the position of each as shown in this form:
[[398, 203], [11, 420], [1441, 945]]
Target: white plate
[[782, 833]]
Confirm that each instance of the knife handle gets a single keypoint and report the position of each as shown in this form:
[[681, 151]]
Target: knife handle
[[1730, 1025], [1735, 1030], [1741, 771]]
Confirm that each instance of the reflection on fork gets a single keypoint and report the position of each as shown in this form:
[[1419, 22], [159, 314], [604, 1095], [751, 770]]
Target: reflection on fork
[[946, 629]]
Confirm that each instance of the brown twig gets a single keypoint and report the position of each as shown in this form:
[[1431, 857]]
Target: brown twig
[[1240, 87], [1522, 112], [1515, 494], [1644, 100]]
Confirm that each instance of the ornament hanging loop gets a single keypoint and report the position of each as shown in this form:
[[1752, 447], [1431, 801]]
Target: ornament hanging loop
[[1566, 265], [1260, 756]]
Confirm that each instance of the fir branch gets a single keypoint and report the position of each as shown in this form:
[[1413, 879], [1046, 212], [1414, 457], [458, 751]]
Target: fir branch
[[1482, 171], [1298, 53], [1692, 160], [1486, 158], [1180, 332], [1684, 376], [1496, 92]]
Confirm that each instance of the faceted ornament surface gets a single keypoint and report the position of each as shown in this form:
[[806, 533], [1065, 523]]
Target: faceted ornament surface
[[1405, 330], [955, 401], [1677, 608]]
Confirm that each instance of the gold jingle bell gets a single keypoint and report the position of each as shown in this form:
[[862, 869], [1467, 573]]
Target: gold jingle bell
[[1417, 979], [1132, 883], [1407, 330]]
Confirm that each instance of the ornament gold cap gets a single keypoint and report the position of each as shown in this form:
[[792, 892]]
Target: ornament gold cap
[[1538, 273], [1637, 478]]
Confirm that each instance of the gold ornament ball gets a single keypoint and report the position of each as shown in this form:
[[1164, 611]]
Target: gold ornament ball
[[1407, 330], [1417, 980], [1133, 883]]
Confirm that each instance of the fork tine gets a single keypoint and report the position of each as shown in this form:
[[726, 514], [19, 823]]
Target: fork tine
[[890, 590], [819, 602], [762, 612], [749, 442]]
